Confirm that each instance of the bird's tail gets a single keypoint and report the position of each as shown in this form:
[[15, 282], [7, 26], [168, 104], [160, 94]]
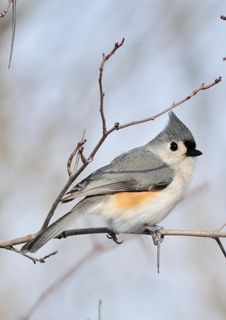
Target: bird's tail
[[85, 206]]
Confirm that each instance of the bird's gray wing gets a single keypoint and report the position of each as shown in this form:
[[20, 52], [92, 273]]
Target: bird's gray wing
[[136, 170]]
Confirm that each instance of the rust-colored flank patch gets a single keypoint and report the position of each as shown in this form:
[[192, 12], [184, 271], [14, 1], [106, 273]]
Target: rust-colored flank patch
[[128, 200]]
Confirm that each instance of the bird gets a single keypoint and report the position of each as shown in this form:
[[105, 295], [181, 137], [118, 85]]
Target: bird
[[138, 188]]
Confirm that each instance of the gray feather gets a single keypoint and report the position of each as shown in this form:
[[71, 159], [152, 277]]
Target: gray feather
[[174, 131], [83, 207], [136, 170]]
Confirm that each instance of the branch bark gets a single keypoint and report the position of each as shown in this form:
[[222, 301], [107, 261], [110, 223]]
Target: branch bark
[[162, 232]]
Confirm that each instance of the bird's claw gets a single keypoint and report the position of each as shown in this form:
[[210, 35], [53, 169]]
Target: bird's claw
[[154, 231], [112, 235]]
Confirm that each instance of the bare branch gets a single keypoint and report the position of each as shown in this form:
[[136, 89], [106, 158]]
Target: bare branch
[[171, 107], [92, 154], [17, 241], [222, 227], [77, 150], [33, 259], [4, 12], [99, 309], [13, 31], [2, 15], [105, 58], [221, 246], [223, 18], [161, 233]]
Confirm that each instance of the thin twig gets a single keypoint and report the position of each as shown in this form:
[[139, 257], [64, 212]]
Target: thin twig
[[2, 15], [99, 309], [4, 12], [73, 154], [223, 18], [13, 31], [17, 241], [105, 58], [172, 106], [221, 246], [92, 154], [33, 259], [222, 227]]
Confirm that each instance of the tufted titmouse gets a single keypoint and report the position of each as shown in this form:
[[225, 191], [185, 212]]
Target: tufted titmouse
[[139, 187]]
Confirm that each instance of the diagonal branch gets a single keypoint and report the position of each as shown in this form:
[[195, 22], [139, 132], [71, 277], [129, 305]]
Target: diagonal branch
[[4, 12], [172, 106], [221, 246]]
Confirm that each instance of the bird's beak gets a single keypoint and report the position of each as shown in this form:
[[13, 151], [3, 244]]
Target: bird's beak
[[193, 153]]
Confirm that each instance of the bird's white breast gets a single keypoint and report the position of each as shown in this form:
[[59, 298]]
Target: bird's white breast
[[156, 207]]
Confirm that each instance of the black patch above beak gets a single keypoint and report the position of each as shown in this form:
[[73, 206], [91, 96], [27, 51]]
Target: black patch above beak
[[193, 153]]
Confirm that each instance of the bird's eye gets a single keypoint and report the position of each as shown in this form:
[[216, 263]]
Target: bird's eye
[[173, 146]]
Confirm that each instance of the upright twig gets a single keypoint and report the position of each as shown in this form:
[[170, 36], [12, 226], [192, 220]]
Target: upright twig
[[105, 133], [99, 309], [13, 31], [105, 58], [223, 18], [2, 15], [76, 151]]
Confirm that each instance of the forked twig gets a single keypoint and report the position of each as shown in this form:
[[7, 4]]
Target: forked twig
[[76, 151], [33, 259]]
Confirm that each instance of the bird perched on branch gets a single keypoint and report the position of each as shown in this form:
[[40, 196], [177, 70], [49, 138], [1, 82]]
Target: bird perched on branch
[[138, 188]]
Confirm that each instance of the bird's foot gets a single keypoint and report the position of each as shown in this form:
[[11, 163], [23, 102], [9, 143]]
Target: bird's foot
[[157, 237], [113, 236], [154, 231]]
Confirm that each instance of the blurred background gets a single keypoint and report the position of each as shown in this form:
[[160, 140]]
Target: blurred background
[[50, 95]]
